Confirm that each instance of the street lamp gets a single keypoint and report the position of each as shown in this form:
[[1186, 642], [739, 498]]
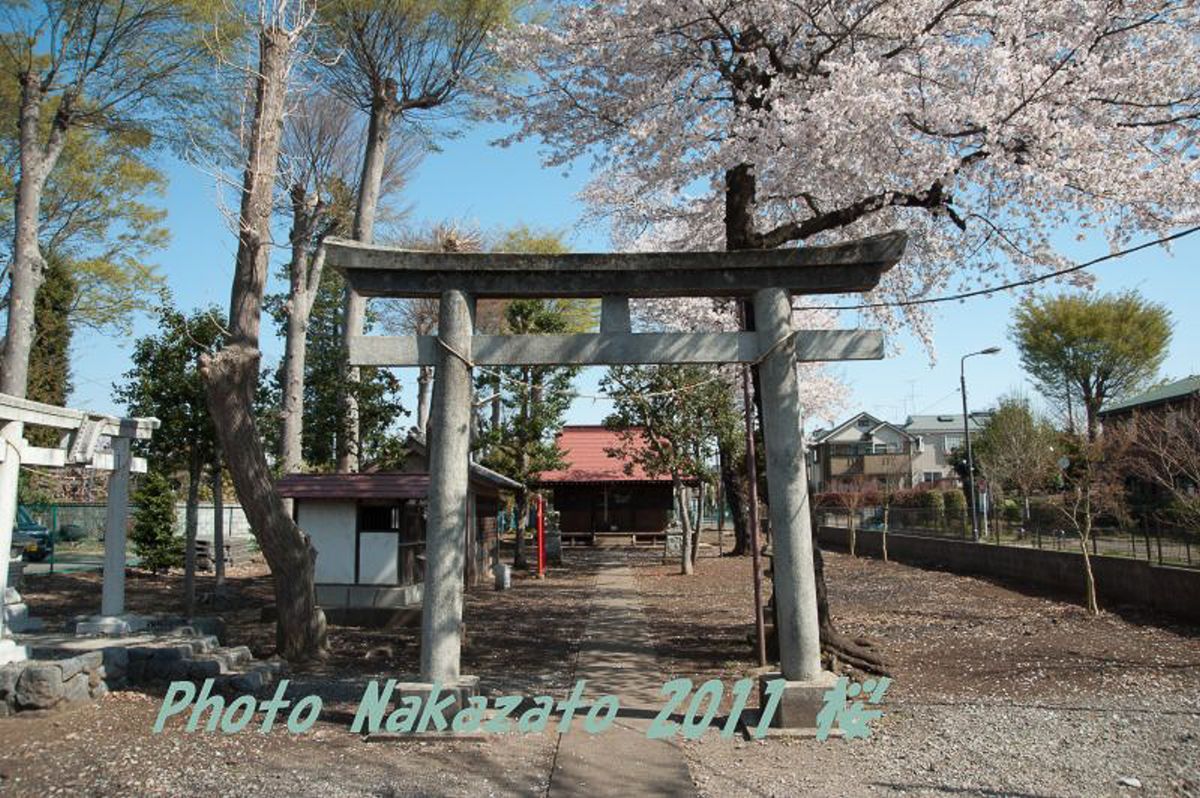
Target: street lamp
[[962, 376]]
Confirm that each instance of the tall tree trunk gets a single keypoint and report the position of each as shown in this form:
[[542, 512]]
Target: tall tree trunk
[[852, 528], [304, 276], [523, 468], [699, 525], [1089, 583], [424, 396], [374, 157], [685, 546], [497, 416], [887, 515], [732, 482], [28, 266], [218, 492], [231, 375], [190, 523], [522, 519]]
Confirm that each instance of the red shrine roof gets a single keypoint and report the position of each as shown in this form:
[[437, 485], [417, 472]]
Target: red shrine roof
[[584, 450]]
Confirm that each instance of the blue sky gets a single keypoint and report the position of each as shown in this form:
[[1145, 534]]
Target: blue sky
[[494, 188]]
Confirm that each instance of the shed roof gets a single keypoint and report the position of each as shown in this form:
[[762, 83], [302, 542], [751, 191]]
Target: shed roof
[[584, 451], [416, 445], [354, 486]]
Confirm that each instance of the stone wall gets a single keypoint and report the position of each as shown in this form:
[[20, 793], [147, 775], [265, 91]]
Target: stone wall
[[47, 684], [1172, 591]]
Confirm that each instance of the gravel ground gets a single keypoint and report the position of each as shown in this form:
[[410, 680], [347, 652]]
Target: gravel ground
[[522, 640], [995, 692]]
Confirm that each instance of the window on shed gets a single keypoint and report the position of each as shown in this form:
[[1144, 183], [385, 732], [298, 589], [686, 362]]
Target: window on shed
[[379, 517]]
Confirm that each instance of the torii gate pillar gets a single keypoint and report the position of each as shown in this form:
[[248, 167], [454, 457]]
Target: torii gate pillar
[[11, 438], [449, 464], [795, 584]]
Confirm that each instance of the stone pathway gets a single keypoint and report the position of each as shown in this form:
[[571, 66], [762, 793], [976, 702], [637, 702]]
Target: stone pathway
[[616, 657]]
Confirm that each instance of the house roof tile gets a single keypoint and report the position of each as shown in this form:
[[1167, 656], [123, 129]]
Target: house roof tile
[[1159, 393]]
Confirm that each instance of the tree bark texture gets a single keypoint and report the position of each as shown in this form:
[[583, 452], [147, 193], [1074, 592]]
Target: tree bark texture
[[231, 375], [191, 521], [374, 158], [218, 524], [304, 276], [686, 566], [733, 488], [424, 397], [37, 159]]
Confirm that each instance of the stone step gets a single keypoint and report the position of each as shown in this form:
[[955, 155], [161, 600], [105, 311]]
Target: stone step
[[239, 655], [257, 677]]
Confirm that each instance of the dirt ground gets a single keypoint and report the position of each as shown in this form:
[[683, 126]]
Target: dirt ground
[[519, 641], [995, 693]]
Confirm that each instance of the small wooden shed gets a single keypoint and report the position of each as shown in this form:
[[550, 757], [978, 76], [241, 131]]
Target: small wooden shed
[[369, 533]]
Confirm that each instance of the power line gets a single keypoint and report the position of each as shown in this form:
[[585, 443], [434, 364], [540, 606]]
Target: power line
[[902, 303]]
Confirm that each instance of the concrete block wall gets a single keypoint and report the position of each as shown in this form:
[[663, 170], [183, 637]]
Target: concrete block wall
[[1174, 592]]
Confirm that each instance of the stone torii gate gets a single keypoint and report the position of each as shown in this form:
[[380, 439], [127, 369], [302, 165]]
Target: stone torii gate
[[82, 431], [769, 278]]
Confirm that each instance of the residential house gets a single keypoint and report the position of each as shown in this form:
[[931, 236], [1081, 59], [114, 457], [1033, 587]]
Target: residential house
[[939, 436], [858, 452], [1160, 399], [1167, 420], [862, 453]]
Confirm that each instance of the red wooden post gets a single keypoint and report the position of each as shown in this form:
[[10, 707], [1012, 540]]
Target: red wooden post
[[541, 535]]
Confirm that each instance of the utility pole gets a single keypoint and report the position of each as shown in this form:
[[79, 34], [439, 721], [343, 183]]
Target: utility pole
[[962, 376]]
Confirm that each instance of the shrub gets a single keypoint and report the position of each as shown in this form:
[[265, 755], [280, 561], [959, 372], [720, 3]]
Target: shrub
[[153, 533], [930, 500], [1044, 515], [955, 503]]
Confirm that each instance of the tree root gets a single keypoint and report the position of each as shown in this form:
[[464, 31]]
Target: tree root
[[856, 652]]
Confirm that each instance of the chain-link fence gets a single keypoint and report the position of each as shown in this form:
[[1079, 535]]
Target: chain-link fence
[[1146, 540], [81, 523]]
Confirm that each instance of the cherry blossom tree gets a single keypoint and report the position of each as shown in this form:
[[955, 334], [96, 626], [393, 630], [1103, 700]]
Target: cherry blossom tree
[[980, 127]]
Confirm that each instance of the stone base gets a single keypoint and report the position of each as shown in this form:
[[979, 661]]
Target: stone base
[[48, 684], [11, 652], [801, 701], [464, 689], [748, 723], [111, 625], [18, 619], [16, 613]]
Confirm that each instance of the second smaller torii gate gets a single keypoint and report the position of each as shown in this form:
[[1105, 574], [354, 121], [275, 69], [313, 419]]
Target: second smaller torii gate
[[82, 432], [769, 278]]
